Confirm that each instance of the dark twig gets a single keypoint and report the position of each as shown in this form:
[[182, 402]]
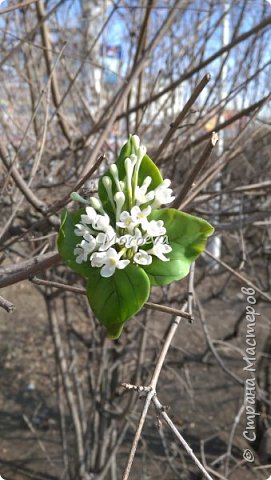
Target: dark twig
[[196, 170], [173, 127], [15, 7], [240, 277], [82, 291], [23, 270]]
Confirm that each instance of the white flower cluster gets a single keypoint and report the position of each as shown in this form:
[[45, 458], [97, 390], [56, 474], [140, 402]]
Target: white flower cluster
[[109, 247]]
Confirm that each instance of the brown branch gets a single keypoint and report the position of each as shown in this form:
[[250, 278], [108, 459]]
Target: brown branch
[[29, 35], [23, 270], [21, 184], [196, 170], [15, 7], [227, 156], [82, 291], [140, 47], [170, 310], [240, 277], [174, 126], [203, 64], [6, 305], [244, 113], [151, 389], [60, 204], [45, 35], [127, 87], [176, 432]]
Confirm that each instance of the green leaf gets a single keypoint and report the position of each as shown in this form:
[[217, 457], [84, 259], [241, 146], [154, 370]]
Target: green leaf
[[187, 236], [67, 241], [147, 168], [115, 299]]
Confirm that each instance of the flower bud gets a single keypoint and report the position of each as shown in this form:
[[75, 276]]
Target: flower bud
[[115, 174], [77, 198], [119, 199], [133, 158], [107, 182], [96, 204], [141, 152], [135, 141], [114, 169], [128, 167], [147, 182]]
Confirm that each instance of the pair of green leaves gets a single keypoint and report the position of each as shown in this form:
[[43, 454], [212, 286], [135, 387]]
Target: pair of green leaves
[[115, 299]]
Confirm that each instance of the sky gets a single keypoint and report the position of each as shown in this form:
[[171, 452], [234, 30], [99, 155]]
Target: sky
[[114, 34]]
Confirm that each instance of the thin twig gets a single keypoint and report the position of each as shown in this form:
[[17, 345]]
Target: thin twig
[[190, 293], [176, 432], [124, 92], [211, 345], [6, 305], [15, 7], [240, 277], [151, 391], [196, 170], [40, 443], [82, 291], [173, 127], [23, 270]]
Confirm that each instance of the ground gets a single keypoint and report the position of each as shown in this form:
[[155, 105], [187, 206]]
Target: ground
[[202, 399]]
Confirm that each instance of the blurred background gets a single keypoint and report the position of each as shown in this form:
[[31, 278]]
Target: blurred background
[[76, 78]]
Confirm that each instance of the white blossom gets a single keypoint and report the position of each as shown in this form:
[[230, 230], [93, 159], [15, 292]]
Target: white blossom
[[82, 250], [163, 194], [107, 183], [90, 217], [96, 204], [82, 230], [102, 222], [155, 228], [125, 240], [80, 254], [126, 221], [76, 198], [142, 258], [139, 216], [141, 194], [115, 174], [132, 241], [106, 240], [110, 261], [159, 249], [113, 242]]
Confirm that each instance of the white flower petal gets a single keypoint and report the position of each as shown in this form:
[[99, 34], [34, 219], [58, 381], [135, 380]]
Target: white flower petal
[[126, 220], [107, 271], [102, 223], [112, 254], [98, 259], [79, 230], [155, 228], [163, 194], [159, 249], [122, 264], [85, 219], [142, 258]]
